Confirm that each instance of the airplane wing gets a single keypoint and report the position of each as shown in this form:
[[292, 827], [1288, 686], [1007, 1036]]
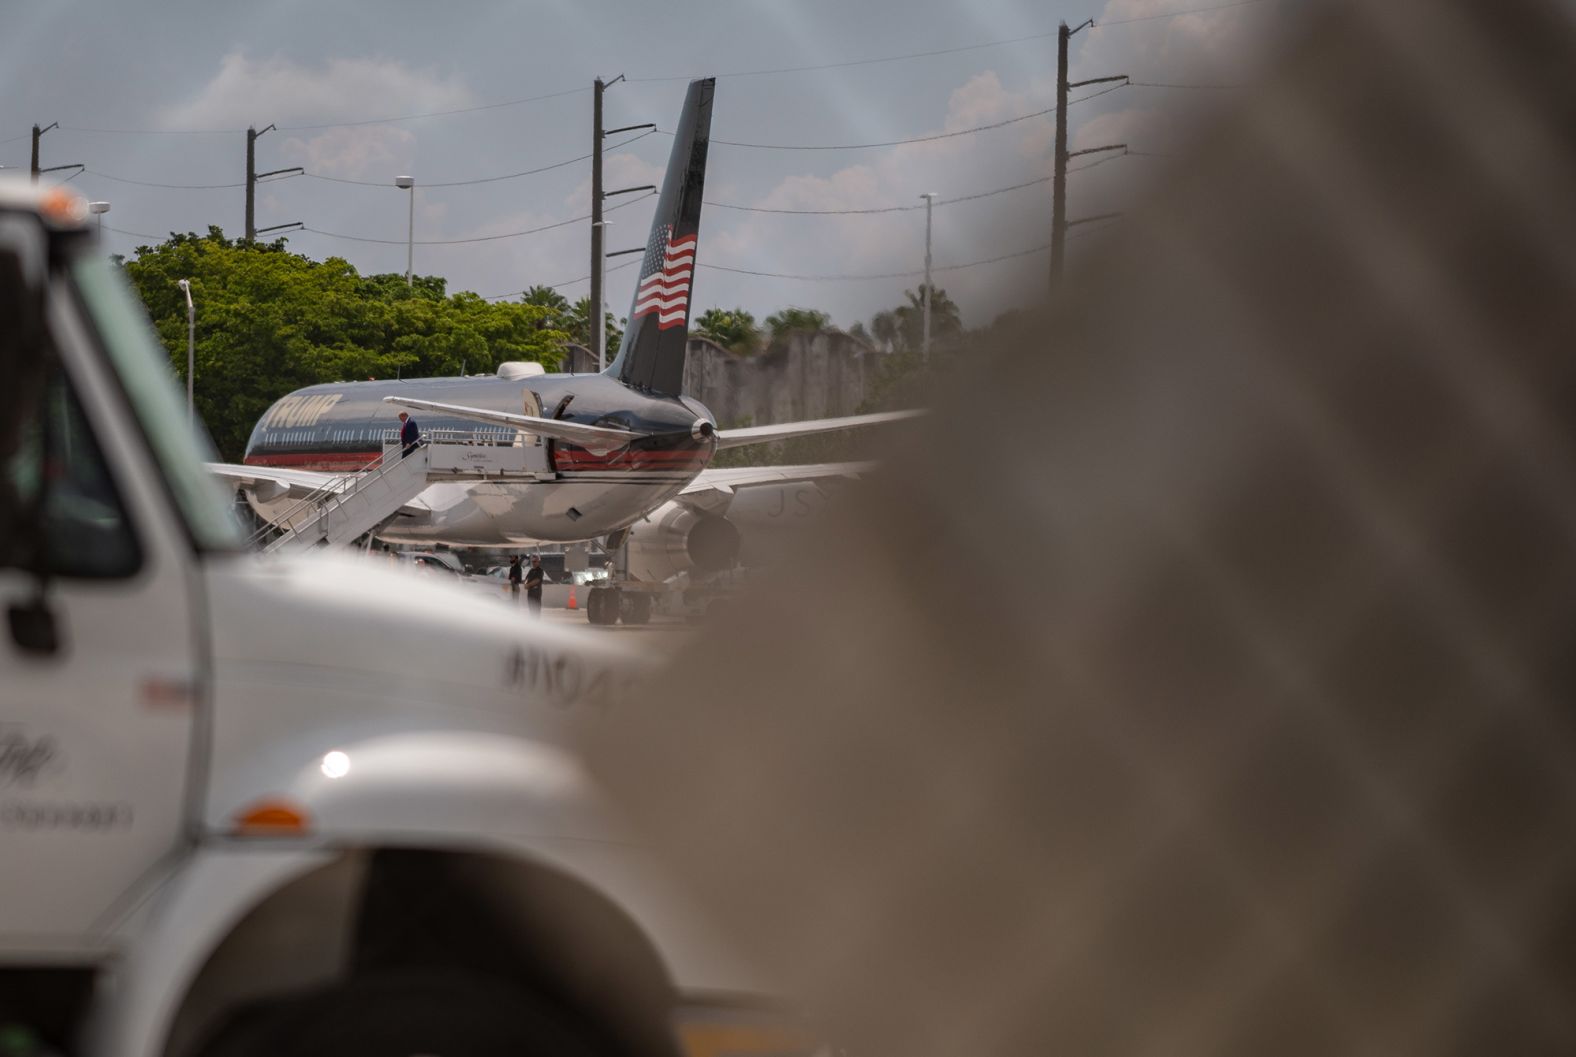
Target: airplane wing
[[272, 482], [597, 439], [735, 438], [713, 490]]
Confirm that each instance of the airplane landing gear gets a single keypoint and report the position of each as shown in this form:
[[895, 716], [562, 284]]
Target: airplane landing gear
[[637, 608], [603, 605]]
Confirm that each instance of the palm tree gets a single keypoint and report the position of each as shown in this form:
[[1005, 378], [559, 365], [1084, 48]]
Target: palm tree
[[789, 320], [733, 329], [557, 305], [578, 325], [885, 329], [946, 323]]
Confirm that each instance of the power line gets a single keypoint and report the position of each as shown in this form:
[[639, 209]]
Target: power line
[[154, 131], [553, 95], [1195, 87], [434, 113], [1096, 95], [937, 51], [480, 108], [479, 238], [149, 183], [1096, 163], [134, 234], [859, 62], [361, 183], [881, 275], [324, 125], [1099, 225], [1175, 14], [1038, 181], [567, 282], [480, 179], [887, 143]]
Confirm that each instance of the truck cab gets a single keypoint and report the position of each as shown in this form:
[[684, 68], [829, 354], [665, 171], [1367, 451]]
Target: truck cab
[[302, 806]]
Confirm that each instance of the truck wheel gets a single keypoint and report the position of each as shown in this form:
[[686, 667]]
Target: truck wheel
[[637, 609], [452, 1015]]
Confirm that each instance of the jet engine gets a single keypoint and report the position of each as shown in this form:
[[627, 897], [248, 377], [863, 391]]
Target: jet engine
[[675, 538]]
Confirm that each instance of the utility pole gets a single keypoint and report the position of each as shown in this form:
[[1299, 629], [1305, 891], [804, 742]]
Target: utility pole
[[930, 198], [252, 176], [598, 228], [251, 181], [1059, 185], [598, 339], [38, 134]]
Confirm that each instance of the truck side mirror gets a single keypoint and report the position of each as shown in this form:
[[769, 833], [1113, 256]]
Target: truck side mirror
[[33, 627]]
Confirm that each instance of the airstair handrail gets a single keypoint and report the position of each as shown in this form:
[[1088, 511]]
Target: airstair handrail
[[312, 499], [336, 493]]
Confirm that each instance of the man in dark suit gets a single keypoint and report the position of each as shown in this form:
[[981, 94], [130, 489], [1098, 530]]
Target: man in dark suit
[[409, 434]]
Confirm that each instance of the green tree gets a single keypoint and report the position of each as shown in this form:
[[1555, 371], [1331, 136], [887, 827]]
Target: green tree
[[884, 328], [788, 320], [270, 321], [556, 304], [578, 325], [733, 329], [946, 322]]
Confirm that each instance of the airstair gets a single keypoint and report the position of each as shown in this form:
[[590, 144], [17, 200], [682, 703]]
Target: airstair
[[352, 505]]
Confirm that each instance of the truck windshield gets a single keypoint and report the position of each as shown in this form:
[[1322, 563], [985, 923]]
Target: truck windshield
[[142, 366]]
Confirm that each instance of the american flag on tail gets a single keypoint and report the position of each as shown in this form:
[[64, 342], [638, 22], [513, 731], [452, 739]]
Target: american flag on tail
[[665, 279]]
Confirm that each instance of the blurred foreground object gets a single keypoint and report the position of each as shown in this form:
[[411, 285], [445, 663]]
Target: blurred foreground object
[[1211, 694]]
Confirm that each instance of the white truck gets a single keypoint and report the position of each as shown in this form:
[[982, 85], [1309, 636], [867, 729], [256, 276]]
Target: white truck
[[298, 808]]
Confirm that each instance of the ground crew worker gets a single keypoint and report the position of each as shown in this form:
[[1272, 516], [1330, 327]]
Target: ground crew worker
[[533, 586], [516, 575]]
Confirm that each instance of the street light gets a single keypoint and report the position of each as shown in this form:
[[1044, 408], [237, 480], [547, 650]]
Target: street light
[[930, 200], [408, 183], [191, 346], [99, 209]]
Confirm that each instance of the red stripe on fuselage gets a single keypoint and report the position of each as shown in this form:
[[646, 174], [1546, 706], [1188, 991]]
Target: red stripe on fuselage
[[660, 461], [335, 462]]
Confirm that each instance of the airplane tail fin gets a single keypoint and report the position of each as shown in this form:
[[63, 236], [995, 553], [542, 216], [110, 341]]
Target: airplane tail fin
[[652, 354]]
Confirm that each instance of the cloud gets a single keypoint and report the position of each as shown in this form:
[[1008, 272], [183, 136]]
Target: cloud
[[259, 92], [248, 91], [1202, 44], [894, 242], [353, 153]]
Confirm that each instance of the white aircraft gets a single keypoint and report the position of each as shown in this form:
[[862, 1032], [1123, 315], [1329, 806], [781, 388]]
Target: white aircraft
[[601, 452]]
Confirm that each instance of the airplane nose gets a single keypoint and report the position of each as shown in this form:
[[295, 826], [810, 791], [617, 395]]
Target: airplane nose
[[702, 430]]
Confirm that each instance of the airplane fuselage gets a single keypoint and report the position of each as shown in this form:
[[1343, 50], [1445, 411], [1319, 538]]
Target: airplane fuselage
[[575, 494]]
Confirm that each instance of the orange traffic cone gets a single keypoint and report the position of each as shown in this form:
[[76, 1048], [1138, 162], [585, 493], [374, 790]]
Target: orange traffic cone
[[571, 604]]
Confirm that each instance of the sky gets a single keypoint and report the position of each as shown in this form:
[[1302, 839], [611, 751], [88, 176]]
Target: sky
[[152, 94]]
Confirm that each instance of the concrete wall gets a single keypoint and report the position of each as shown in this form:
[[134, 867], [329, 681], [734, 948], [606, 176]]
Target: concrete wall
[[812, 374]]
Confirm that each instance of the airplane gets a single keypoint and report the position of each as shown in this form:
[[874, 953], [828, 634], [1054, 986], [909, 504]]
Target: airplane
[[610, 449]]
